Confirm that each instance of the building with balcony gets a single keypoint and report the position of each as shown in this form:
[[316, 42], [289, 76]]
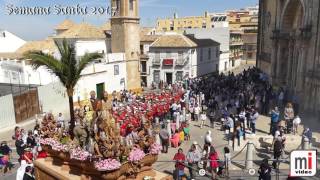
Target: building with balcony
[[236, 48], [288, 49], [243, 24], [173, 58]]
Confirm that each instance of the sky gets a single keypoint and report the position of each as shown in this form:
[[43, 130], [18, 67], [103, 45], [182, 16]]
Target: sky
[[37, 27]]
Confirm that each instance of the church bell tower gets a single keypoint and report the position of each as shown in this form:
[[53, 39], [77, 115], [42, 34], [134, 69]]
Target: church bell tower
[[125, 38]]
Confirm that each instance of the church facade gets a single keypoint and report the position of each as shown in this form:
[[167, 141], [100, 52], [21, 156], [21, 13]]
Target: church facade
[[289, 48]]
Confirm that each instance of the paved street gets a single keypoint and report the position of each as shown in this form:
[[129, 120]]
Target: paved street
[[220, 142]]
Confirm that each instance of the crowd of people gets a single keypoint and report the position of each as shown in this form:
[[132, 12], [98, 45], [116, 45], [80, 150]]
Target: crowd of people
[[234, 102], [109, 126]]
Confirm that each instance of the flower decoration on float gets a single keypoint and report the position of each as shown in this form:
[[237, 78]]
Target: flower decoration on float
[[107, 165], [136, 154], [79, 154], [155, 149]]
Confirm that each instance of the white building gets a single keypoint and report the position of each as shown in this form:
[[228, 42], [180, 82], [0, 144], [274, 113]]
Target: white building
[[9, 42], [107, 74], [16, 70], [222, 36], [175, 57]]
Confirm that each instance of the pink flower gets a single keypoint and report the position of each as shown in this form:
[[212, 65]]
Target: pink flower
[[79, 154], [55, 145], [107, 165], [155, 148], [136, 155]]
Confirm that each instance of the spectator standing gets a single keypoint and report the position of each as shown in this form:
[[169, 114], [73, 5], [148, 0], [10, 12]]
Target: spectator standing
[[307, 135], [203, 118], [208, 138], [277, 152], [193, 157], [227, 159], [31, 142], [205, 155], [212, 116], [264, 170], [180, 158], [296, 123], [20, 145], [60, 120], [214, 162], [196, 112], [28, 175], [164, 137], [288, 116], [275, 116], [5, 151], [253, 120]]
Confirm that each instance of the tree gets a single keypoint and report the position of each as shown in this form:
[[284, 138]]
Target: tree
[[68, 69]]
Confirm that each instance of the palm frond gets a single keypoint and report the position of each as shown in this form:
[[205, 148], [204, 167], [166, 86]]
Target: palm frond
[[67, 69], [38, 59], [88, 58]]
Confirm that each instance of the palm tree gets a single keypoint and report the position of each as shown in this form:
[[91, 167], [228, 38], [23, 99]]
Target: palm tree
[[67, 69]]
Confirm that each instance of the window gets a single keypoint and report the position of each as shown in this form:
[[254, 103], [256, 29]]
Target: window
[[209, 53], [168, 54], [14, 75], [179, 75], [131, 5], [201, 54], [156, 76], [180, 57], [116, 69], [141, 49], [157, 56], [6, 74], [171, 28]]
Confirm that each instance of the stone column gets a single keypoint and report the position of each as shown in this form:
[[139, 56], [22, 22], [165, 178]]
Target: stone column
[[249, 155]]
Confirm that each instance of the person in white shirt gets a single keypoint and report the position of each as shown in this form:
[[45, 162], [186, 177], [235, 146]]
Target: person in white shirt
[[296, 122], [196, 112], [203, 117], [60, 120]]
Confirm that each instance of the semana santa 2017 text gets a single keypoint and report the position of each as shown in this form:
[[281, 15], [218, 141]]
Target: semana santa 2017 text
[[57, 9]]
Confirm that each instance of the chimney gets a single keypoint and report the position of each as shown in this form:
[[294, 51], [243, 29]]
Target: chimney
[[206, 14]]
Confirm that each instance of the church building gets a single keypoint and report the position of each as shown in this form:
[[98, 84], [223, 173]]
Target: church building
[[289, 49]]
